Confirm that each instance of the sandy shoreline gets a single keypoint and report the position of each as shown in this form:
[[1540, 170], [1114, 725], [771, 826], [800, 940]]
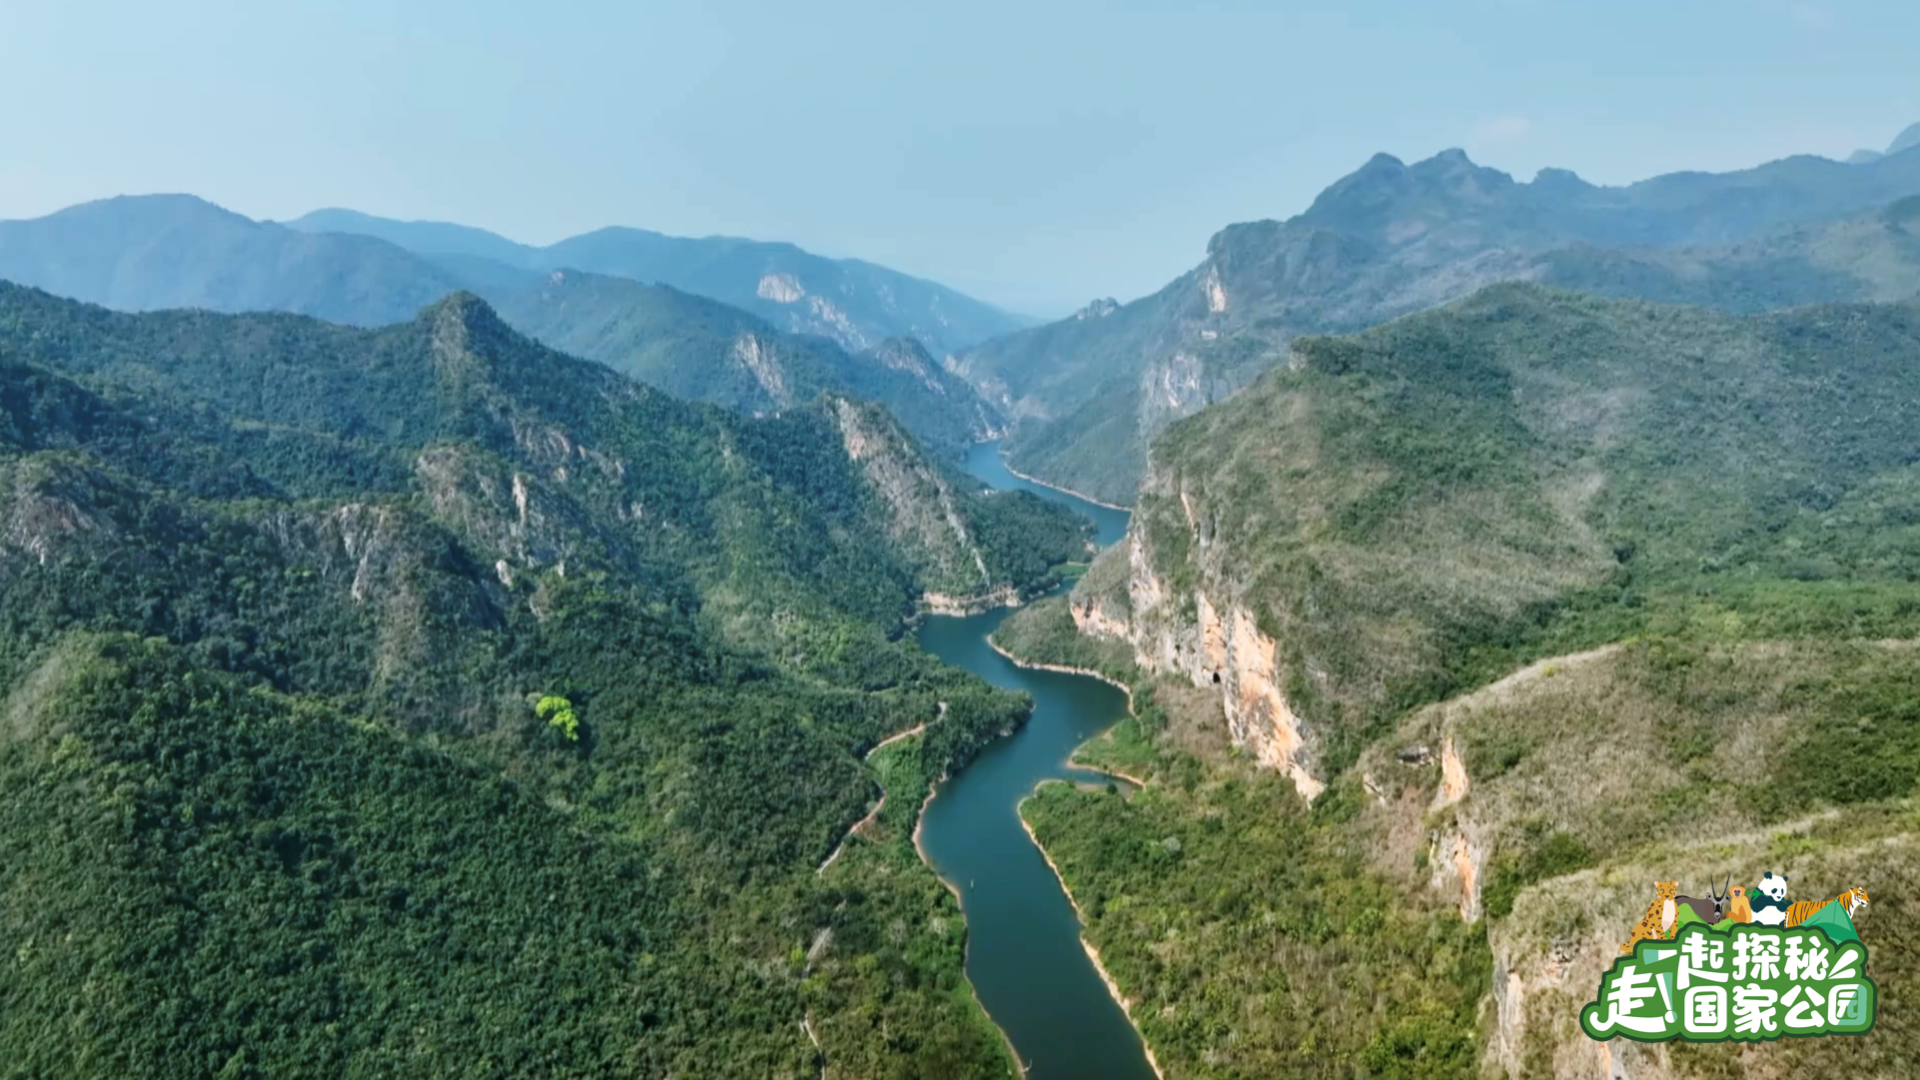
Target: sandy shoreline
[[1063, 490], [919, 820], [1093, 953], [1064, 669], [1091, 674]]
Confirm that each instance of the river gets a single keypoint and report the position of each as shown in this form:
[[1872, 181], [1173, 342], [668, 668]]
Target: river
[[1023, 940]]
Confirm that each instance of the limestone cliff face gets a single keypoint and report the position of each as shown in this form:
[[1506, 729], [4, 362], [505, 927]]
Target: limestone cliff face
[[44, 501], [1457, 847], [759, 360], [1185, 615], [922, 514]]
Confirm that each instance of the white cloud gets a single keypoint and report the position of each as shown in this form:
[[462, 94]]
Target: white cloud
[[1499, 130]]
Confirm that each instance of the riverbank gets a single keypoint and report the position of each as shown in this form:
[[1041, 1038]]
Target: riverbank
[[1093, 952], [1064, 669], [1063, 490], [959, 901], [933, 603]]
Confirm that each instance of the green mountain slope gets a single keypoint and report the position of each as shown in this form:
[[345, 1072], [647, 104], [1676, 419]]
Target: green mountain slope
[[277, 602], [857, 304], [1382, 505], [1871, 258], [1087, 395], [1541, 598], [703, 350]]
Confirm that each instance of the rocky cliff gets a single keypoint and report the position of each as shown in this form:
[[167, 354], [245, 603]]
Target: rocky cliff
[[1193, 621]]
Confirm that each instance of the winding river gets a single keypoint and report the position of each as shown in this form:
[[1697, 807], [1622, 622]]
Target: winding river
[[1024, 955]]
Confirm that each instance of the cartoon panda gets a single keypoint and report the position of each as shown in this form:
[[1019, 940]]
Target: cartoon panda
[[1770, 900]]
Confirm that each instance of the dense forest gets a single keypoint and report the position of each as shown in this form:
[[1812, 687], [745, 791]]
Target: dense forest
[[1568, 596], [422, 701]]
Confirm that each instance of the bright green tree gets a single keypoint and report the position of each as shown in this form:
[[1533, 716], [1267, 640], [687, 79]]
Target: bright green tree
[[558, 712]]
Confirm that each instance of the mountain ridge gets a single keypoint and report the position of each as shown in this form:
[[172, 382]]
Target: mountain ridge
[[1475, 624], [160, 252], [1085, 396], [290, 615], [858, 303]]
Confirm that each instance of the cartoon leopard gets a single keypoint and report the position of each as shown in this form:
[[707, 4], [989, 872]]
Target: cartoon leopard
[[1658, 922]]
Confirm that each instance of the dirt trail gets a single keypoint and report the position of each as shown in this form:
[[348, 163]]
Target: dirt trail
[[874, 814]]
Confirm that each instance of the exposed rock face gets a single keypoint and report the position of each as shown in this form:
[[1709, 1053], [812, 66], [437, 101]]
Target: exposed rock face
[[1206, 632], [827, 320], [908, 355], [1216, 293], [780, 288], [921, 512], [938, 603], [43, 502], [765, 368]]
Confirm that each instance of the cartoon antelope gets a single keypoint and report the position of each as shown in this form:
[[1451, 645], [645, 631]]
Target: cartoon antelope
[[1712, 907]]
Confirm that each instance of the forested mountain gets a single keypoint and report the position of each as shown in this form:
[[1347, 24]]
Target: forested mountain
[[1538, 598], [704, 350], [422, 700], [1087, 394], [855, 303], [140, 254]]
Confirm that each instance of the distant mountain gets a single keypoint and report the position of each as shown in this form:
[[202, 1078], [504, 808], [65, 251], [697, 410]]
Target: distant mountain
[[1085, 395], [1447, 203], [703, 350], [143, 253], [159, 252], [1903, 142], [423, 237], [856, 303]]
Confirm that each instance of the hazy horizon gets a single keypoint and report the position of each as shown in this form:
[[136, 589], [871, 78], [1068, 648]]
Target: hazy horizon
[[1034, 158]]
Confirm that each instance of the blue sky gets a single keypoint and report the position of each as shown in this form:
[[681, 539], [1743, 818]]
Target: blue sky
[[1034, 153]]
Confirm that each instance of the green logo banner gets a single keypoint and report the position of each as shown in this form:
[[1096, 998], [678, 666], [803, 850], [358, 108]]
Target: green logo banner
[[1748, 983]]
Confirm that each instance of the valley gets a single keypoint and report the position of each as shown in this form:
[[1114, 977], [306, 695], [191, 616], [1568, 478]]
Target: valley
[[424, 653]]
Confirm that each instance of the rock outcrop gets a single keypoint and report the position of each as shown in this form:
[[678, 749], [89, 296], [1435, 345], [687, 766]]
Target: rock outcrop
[[1200, 628]]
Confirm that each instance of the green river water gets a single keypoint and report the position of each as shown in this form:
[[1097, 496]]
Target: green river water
[[1023, 947]]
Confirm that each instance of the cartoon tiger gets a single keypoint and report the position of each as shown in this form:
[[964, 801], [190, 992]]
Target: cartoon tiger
[[1850, 901], [1658, 922]]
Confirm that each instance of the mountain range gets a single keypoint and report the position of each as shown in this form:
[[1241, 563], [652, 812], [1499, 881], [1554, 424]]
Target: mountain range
[[858, 304], [154, 252], [1086, 395], [489, 661], [421, 699]]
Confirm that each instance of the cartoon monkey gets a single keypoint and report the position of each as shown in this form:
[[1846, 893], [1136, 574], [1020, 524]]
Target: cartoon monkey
[[1738, 909]]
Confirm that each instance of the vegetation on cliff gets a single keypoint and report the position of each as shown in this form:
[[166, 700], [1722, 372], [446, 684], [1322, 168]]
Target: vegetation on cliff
[[1091, 392], [274, 598], [1575, 595]]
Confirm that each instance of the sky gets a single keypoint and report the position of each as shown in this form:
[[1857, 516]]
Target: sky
[[1036, 153]]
